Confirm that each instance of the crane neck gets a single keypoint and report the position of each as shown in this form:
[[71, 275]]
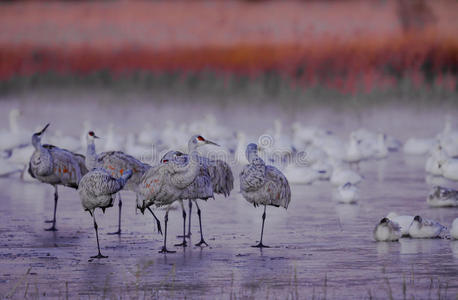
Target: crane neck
[[36, 142], [194, 156], [251, 156], [91, 155], [192, 147]]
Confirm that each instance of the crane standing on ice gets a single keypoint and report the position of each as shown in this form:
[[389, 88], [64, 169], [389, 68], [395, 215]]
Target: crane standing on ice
[[200, 188], [55, 166], [116, 163], [261, 184], [166, 183], [222, 180], [96, 189]]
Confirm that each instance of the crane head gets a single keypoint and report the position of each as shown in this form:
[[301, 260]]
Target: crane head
[[91, 135], [251, 151], [198, 140], [43, 130], [36, 137]]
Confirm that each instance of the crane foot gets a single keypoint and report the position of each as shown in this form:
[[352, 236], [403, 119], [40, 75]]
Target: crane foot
[[99, 256], [260, 245], [202, 242], [186, 236], [116, 232], [183, 244], [164, 250]]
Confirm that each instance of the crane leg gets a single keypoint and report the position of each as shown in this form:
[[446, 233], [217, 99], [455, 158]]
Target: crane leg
[[166, 220], [96, 227], [189, 224], [261, 245], [202, 241], [158, 223], [183, 244], [53, 221], [119, 217]]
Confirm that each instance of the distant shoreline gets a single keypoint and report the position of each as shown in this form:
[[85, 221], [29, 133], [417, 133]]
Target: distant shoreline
[[349, 46]]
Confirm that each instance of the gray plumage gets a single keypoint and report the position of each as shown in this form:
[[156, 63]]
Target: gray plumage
[[55, 166], [168, 182], [219, 171], [201, 187], [263, 184], [115, 162], [220, 175], [97, 187]]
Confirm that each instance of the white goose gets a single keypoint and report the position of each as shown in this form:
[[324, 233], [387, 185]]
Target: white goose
[[449, 138], [342, 175], [403, 222], [387, 231], [454, 229], [346, 193], [432, 163], [449, 168], [423, 228], [301, 174], [353, 151], [15, 136], [442, 197]]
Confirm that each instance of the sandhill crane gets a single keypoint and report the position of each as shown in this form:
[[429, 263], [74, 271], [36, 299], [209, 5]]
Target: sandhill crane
[[55, 166], [201, 187], [220, 173], [96, 189], [263, 184], [166, 183], [116, 163]]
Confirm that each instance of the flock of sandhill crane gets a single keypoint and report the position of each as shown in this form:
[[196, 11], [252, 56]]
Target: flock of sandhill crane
[[311, 154], [178, 177]]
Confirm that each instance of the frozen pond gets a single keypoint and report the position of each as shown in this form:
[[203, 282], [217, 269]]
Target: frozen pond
[[320, 249]]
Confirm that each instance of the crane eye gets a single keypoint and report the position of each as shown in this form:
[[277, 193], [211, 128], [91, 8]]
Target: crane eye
[[178, 154], [91, 133], [165, 160]]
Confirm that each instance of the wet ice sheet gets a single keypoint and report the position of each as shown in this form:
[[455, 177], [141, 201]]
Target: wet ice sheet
[[318, 247]]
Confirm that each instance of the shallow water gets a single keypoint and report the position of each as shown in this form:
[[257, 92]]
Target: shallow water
[[320, 249]]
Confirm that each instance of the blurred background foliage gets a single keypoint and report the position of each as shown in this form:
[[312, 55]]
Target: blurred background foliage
[[277, 48]]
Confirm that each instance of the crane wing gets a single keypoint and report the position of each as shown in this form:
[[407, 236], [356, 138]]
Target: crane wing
[[281, 189]]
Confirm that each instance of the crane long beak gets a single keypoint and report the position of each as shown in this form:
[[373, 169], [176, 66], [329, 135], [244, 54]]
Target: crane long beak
[[43, 130], [211, 143]]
